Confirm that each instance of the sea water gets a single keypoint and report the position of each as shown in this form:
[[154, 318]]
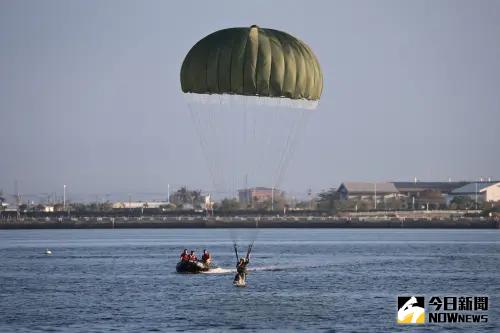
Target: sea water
[[338, 280]]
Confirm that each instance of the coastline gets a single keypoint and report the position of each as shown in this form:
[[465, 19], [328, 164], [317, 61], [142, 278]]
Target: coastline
[[249, 222]]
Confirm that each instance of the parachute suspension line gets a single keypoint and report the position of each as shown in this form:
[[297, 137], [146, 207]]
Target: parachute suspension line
[[236, 251], [299, 130], [203, 143], [267, 143], [201, 118], [235, 165], [286, 122], [239, 141], [250, 154], [230, 156], [246, 145], [284, 152], [204, 117], [249, 249], [247, 154], [214, 128], [299, 124], [207, 116], [294, 137], [244, 157], [234, 161], [212, 131]]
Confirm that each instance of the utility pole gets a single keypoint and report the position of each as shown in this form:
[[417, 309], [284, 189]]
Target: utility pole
[[309, 195], [168, 193], [272, 198], [375, 192], [252, 193], [476, 195], [18, 198], [16, 190], [64, 197]]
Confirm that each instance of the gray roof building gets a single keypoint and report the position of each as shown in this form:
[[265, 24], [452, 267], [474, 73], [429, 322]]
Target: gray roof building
[[413, 187], [350, 189], [471, 188]]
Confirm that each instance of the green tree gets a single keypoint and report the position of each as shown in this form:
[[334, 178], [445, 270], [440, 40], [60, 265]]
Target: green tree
[[268, 204], [2, 200], [463, 202], [327, 200], [168, 206], [183, 196], [229, 204], [394, 203], [106, 206]]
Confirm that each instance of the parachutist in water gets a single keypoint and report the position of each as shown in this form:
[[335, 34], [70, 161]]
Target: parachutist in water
[[241, 269], [241, 266]]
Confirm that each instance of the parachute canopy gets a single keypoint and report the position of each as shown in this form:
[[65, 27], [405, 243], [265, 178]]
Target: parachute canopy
[[249, 92], [252, 62]]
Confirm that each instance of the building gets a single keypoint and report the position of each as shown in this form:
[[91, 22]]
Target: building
[[139, 204], [250, 196], [471, 191], [427, 195], [491, 192], [366, 190], [3, 205], [45, 208], [416, 188], [11, 208], [416, 194]]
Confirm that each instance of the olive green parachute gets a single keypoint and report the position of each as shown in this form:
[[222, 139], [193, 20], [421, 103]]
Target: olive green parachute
[[252, 62]]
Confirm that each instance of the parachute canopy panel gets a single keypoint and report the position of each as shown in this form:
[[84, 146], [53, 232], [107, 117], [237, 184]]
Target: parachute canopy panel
[[252, 62]]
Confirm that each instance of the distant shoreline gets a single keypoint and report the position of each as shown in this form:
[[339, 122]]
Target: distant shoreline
[[255, 222]]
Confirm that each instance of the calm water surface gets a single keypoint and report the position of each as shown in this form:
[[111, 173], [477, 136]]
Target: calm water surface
[[336, 280]]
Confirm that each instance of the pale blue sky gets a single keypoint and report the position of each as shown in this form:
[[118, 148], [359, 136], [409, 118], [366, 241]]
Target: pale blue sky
[[90, 93]]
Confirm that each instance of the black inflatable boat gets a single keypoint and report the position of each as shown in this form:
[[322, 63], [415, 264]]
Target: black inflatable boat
[[192, 267]]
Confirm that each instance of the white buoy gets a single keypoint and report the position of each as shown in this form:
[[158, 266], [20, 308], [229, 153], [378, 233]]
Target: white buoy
[[48, 252]]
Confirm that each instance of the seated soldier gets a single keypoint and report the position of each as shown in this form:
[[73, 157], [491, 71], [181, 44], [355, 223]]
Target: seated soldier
[[206, 258], [185, 255], [192, 256]]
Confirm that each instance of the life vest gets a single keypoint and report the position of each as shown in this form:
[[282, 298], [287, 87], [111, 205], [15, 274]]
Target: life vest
[[241, 268], [205, 256]]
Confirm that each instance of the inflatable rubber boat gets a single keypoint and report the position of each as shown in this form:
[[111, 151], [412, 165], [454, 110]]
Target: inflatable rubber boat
[[192, 267]]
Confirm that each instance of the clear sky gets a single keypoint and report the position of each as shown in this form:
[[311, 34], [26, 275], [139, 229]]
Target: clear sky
[[90, 94]]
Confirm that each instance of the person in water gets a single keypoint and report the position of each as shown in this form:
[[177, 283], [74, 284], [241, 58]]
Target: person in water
[[206, 257], [241, 269], [192, 256], [185, 255]]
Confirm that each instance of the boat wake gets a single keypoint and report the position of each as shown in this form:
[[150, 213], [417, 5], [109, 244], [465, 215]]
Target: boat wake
[[269, 269], [272, 268], [220, 270], [279, 268]]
